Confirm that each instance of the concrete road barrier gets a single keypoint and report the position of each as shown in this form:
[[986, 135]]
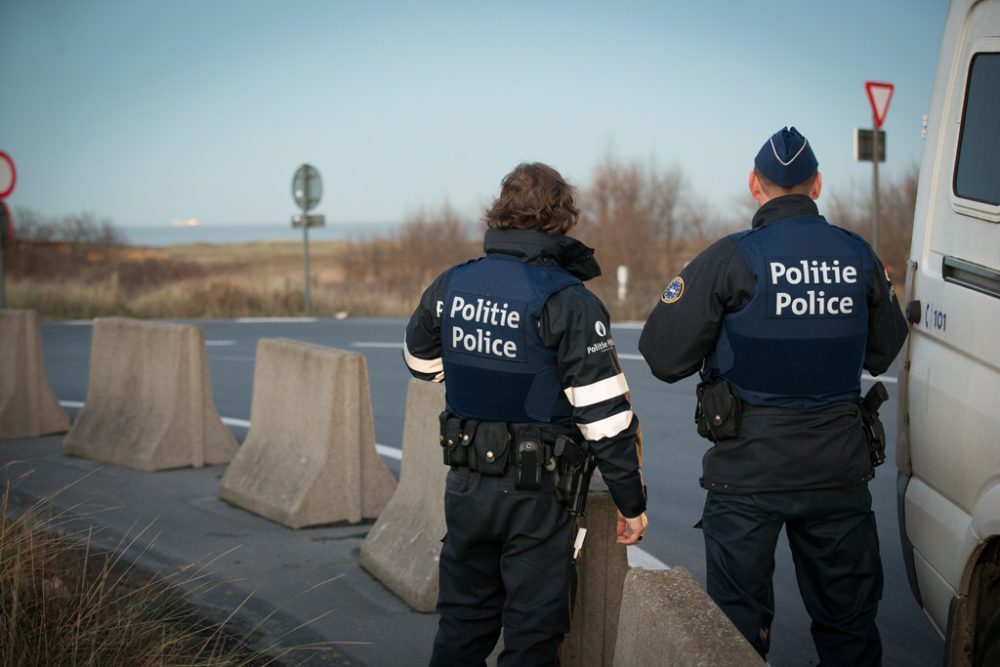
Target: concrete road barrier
[[403, 547], [309, 457], [28, 408], [667, 619], [149, 399], [600, 569]]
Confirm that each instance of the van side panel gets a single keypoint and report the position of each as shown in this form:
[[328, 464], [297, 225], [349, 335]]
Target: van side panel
[[950, 438]]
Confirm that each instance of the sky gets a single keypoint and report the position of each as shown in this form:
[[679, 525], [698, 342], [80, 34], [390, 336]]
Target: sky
[[146, 112]]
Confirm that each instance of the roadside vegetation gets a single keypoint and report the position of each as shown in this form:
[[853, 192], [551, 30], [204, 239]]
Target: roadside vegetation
[[63, 602], [636, 214]]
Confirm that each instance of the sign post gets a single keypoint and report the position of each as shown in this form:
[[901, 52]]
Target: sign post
[[879, 95], [307, 189], [8, 179]]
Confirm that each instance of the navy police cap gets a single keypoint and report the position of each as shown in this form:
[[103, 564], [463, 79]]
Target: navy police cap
[[786, 158]]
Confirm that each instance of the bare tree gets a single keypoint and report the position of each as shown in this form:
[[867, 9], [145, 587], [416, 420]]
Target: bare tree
[[637, 215], [898, 199], [397, 268], [30, 225]]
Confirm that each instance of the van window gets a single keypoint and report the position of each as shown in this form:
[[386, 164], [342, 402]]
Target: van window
[[977, 169]]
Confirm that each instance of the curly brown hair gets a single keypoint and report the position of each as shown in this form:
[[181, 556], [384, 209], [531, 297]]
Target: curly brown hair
[[534, 196]]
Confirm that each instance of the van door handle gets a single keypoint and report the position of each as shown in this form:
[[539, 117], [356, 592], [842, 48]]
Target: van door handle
[[913, 312]]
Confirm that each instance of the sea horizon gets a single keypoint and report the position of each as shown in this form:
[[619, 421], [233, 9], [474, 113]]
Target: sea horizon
[[167, 235]]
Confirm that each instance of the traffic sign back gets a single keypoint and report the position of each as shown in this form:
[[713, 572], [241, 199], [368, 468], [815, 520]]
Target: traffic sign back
[[307, 188], [879, 94]]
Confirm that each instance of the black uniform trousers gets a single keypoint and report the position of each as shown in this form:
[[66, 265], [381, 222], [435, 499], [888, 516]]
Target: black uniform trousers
[[834, 546], [506, 559]]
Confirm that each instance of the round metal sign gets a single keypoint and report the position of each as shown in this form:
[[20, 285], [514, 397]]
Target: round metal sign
[[8, 175], [307, 188]]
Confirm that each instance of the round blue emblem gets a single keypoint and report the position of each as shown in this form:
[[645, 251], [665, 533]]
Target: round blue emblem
[[675, 288]]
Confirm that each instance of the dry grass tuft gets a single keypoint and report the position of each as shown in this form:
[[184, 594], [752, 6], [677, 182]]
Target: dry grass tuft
[[63, 602]]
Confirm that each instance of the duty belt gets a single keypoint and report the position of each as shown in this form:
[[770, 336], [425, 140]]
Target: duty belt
[[489, 448]]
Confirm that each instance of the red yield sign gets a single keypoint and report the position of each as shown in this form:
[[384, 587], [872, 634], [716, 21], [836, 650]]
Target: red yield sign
[[879, 94], [8, 175]]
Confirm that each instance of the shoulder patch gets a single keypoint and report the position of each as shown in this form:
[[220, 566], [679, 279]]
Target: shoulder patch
[[674, 290]]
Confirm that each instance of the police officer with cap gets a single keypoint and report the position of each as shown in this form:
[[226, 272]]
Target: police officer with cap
[[780, 320], [533, 384]]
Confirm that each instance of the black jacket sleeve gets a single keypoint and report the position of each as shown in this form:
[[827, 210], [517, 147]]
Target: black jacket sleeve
[[679, 335], [422, 347], [577, 325], [887, 328]]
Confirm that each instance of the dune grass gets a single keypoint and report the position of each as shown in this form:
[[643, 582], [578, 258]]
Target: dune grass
[[65, 602], [376, 278]]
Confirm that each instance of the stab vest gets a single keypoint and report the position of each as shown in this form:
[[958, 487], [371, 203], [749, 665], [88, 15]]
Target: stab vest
[[800, 340], [496, 367]]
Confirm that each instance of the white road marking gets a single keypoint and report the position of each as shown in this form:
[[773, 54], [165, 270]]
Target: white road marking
[[639, 558], [219, 343], [71, 404], [630, 357], [396, 346], [391, 452], [274, 320]]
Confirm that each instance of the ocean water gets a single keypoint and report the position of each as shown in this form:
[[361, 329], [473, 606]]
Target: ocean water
[[165, 235]]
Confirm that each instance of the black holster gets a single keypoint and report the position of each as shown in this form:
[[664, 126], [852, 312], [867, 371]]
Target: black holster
[[874, 431], [574, 468], [718, 411]]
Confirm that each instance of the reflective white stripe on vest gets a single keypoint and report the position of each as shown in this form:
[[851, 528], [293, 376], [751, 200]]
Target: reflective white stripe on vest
[[602, 390], [422, 365], [607, 427]]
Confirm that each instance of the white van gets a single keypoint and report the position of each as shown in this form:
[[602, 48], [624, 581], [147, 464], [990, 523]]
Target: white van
[[948, 447]]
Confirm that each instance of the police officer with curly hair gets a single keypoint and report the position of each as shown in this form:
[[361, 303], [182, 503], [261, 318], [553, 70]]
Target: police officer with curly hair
[[533, 384], [780, 320]]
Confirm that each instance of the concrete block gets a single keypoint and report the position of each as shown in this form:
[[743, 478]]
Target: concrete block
[[403, 547], [667, 619], [601, 568], [28, 408], [149, 399], [309, 457], [600, 573]]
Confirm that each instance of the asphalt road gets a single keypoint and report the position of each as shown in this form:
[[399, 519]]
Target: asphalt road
[[672, 457]]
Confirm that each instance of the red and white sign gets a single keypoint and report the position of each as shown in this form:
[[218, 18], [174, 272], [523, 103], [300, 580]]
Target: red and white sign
[[879, 94], [8, 175]]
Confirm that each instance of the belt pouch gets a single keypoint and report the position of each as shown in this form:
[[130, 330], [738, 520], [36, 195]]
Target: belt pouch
[[492, 448], [718, 412], [451, 440], [529, 459]]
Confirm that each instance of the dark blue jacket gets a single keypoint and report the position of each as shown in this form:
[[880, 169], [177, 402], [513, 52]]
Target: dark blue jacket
[[792, 338], [554, 362]]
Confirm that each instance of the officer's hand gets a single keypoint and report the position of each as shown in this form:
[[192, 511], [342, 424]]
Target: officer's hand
[[630, 530]]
